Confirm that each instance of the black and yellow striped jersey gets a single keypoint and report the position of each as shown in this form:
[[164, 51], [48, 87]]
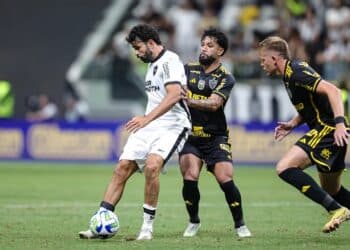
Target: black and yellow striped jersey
[[201, 85], [301, 82]]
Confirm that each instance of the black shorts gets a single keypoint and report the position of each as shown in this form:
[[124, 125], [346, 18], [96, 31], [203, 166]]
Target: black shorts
[[211, 150], [318, 143]]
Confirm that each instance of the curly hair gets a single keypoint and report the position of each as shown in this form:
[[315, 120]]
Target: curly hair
[[143, 32], [220, 37]]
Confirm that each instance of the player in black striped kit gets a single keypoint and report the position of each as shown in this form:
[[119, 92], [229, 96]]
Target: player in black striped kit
[[319, 105], [209, 86]]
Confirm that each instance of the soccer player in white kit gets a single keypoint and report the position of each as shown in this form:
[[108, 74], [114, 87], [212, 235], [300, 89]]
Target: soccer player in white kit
[[155, 136]]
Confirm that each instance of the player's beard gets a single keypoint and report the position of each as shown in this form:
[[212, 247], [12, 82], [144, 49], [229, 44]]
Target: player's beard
[[206, 60], [147, 57]]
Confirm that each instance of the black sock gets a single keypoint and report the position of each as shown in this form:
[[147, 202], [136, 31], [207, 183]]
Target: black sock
[[191, 196], [234, 201], [107, 205], [305, 184], [343, 197]]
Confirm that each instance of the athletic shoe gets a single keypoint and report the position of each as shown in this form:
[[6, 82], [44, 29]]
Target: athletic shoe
[[192, 229], [243, 232], [338, 216], [145, 233], [88, 234]]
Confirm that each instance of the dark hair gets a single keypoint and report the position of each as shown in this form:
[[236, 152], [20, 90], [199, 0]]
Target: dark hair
[[220, 37], [144, 33]]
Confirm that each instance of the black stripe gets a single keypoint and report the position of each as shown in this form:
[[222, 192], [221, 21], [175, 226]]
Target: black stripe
[[181, 136], [185, 107], [172, 82]]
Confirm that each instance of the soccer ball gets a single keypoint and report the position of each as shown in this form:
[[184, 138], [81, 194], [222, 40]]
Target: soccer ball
[[104, 223]]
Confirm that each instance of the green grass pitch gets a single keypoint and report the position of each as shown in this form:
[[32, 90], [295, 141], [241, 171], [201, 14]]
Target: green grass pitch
[[45, 205]]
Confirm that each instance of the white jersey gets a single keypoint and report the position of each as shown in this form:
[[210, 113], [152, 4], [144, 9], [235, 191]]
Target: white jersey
[[167, 68]]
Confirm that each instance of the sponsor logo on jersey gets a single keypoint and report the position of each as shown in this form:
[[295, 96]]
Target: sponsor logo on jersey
[[201, 84], [150, 88]]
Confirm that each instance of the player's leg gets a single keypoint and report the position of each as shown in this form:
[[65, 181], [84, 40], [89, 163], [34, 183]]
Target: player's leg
[[166, 142], [121, 174], [290, 169], [223, 172], [154, 164], [331, 183], [115, 189], [190, 166]]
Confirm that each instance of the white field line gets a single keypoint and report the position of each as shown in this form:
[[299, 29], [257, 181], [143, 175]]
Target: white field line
[[61, 204]]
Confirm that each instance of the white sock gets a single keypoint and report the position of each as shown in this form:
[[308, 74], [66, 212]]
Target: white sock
[[148, 214]]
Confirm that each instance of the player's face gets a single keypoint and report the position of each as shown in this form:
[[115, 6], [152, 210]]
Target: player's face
[[268, 61], [210, 51], [142, 51]]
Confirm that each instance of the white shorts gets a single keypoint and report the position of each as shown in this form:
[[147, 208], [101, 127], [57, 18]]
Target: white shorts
[[162, 141]]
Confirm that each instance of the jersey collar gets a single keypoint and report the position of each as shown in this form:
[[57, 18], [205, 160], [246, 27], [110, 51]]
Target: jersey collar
[[159, 55]]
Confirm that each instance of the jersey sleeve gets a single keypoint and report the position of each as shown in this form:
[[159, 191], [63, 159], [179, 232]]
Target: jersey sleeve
[[306, 77], [173, 71], [224, 87]]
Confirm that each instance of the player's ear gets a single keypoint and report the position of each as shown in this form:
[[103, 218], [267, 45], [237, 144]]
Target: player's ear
[[221, 52]]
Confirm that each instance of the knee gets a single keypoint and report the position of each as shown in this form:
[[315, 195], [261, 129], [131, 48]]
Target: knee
[[190, 173], [123, 170], [280, 167], [152, 168]]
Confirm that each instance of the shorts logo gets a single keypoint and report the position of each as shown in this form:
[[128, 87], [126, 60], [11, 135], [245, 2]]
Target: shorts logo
[[325, 153], [201, 84], [212, 83]]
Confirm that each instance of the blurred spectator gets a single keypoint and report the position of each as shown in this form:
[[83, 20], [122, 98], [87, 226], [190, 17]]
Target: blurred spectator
[[41, 108], [7, 100], [297, 45], [185, 17], [76, 110]]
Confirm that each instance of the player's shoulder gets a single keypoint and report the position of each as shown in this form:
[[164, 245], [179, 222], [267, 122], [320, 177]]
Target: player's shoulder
[[193, 65], [170, 55]]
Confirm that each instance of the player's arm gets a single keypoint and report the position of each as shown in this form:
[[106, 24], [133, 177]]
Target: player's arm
[[334, 97], [217, 98], [213, 103], [284, 128], [173, 96]]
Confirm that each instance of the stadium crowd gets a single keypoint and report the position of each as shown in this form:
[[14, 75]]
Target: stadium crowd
[[318, 31]]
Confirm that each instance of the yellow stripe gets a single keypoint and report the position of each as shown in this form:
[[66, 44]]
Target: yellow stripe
[[319, 162], [318, 113], [316, 84], [313, 143]]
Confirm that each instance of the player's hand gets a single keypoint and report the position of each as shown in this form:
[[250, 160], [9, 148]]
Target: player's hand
[[184, 93], [341, 135], [136, 123], [282, 130]]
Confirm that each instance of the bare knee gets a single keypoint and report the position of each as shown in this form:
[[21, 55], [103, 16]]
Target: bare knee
[[152, 168], [281, 166], [124, 169]]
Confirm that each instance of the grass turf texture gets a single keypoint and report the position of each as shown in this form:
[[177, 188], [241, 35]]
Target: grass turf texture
[[44, 206]]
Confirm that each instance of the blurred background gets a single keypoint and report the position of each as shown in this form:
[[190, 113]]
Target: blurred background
[[68, 62]]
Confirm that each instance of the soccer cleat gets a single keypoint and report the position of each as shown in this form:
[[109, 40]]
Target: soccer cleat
[[338, 216], [145, 233], [243, 232], [88, 234], [192, 229]]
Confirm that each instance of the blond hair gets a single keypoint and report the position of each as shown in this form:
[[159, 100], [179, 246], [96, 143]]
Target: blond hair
[[276, 43]]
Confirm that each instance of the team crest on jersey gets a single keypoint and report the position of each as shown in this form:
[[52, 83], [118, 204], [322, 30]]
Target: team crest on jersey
[[201, 84], [212, 83], [155, 69]]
